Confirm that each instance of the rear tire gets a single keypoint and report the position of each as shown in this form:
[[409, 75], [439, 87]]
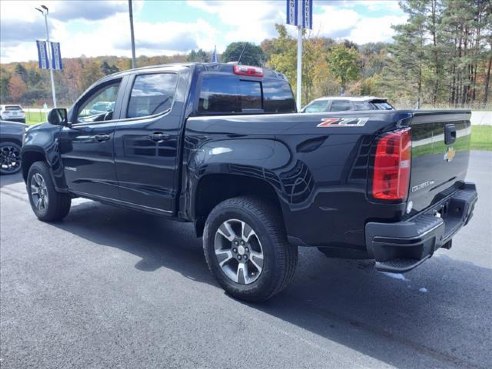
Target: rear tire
[[246, 249], [48, 204]]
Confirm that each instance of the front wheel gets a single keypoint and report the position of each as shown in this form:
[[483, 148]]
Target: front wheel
[[246, 249], [48, 204]]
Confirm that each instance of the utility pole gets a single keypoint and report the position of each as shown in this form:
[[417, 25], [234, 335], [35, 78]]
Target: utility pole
[[130, 8], [44, 11], [299, 63]]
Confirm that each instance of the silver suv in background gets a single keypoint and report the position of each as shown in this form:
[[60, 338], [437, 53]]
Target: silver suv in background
[[345, 103], [12, 113]]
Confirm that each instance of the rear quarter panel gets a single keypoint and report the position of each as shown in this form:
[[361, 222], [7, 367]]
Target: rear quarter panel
[[319, 173]]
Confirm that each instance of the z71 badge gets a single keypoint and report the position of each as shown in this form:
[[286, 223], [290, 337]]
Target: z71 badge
[[342, 122]]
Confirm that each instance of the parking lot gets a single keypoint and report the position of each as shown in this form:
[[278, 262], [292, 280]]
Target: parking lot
[[112, 288]]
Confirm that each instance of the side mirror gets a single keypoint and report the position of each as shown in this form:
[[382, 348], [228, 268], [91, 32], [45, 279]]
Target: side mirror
[[58, 117]]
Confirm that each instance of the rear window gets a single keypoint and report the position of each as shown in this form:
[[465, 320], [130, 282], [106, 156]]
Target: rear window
[[13, 107], [278, 97], [382, 105], [220, 94]]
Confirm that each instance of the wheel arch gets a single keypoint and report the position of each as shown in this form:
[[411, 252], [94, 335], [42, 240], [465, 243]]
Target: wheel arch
[[206, 196], [28, 158]]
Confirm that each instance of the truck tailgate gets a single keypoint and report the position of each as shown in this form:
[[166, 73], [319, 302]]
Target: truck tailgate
[[440, 154]]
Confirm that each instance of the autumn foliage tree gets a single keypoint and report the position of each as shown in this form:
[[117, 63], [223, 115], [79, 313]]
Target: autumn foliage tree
[[17, 88]]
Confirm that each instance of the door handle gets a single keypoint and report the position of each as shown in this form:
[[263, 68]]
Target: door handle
[[101, 138], [449, 134], [158, 136]]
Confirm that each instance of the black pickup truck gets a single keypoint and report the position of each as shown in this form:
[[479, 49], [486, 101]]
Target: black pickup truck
[[222, 146]]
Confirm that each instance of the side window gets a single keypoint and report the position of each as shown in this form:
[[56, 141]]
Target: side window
[[100, 105], [341, 105], [363, 105], [152, 94], [317, 106]]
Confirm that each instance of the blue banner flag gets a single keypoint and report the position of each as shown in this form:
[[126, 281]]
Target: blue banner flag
[[307, 14], [292, 12], [42, 55], [214, 58], [56, 60]]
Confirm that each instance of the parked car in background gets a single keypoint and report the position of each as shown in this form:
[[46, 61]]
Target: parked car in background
[[12, 113], [345, 103], [11, 138], [102, 107]]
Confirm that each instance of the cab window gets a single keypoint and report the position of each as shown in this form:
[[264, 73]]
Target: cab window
[[100, 105], [152, 94]]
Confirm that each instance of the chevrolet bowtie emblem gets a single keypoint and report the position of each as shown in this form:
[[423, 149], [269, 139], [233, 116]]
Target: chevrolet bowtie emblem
[[450, 154]]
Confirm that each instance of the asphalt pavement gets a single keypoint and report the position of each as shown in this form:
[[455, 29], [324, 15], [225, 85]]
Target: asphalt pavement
[[109, 288]]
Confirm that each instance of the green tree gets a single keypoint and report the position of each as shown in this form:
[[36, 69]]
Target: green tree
[[344, 64], [282, 53], [198, 56], [244, 52]]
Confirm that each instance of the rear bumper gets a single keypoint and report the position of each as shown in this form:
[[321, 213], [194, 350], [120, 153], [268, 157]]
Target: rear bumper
[[400, 247]]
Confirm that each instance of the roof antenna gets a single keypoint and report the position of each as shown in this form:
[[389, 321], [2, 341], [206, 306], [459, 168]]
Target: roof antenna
[[244, 47]]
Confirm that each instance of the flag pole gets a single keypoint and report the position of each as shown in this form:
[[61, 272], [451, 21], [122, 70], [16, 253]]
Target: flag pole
[[49, 54]]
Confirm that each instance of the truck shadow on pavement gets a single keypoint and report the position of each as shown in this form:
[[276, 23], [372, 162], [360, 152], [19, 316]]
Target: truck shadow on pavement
[[434, 316]]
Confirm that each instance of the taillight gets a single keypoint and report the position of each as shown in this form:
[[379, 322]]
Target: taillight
[[391, 176], [246, 70]]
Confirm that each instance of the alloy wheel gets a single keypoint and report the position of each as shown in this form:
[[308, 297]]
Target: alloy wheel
[[39, 192], [238, 251], [10, 158]]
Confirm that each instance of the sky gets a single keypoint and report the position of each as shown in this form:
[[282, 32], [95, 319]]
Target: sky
[[167, 27]]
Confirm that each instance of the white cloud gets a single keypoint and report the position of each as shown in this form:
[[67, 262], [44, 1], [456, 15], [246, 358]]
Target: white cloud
[[334, 21], [95, 28], [246, 20], [375, 29], [84, 35], [344, 22]]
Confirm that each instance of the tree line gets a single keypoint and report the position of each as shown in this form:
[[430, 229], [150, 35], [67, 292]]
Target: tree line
[[441, 57]]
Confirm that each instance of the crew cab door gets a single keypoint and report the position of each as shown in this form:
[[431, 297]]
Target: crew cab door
[[86, 147], [147, 140]]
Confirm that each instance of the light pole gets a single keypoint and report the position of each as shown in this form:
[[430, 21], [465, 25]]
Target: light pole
[[44, 11], [132, 34]]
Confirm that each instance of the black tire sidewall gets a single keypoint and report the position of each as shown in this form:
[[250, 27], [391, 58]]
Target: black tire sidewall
[[265, 285], [18, 148], [50, 213]]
